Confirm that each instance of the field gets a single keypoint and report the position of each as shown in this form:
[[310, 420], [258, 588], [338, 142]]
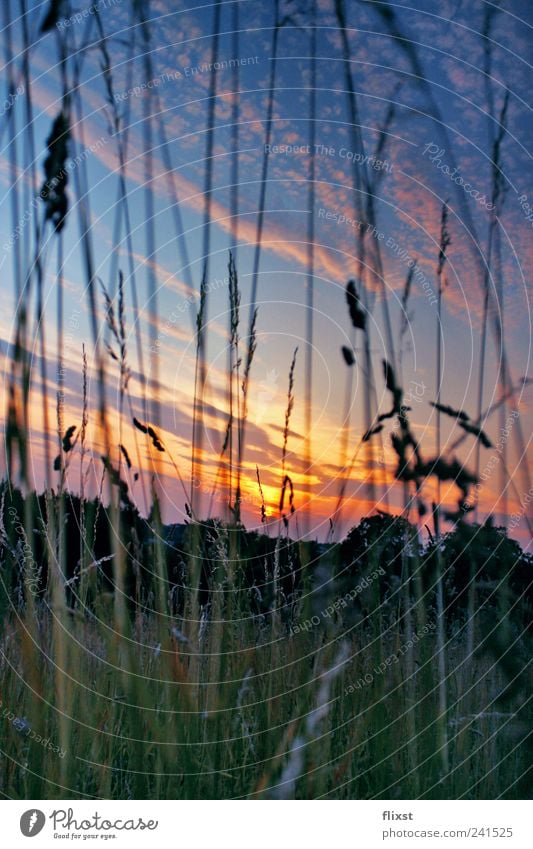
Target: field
[[263, 534]]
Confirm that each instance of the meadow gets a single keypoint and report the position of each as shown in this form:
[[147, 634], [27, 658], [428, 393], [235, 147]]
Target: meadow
[[251, 649]]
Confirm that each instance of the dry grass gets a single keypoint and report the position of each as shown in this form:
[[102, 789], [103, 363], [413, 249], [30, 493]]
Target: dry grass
[[210, 669]]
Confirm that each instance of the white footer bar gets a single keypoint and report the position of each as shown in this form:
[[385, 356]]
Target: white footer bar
[[263, 825]]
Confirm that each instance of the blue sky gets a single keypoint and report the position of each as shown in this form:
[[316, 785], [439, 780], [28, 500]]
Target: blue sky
[[445, 112]]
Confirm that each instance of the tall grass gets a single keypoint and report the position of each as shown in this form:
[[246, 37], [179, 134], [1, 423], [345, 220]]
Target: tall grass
[[233, 664], [309, 321]]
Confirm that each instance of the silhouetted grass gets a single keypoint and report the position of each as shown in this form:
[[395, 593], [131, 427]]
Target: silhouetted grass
[[203, 660]]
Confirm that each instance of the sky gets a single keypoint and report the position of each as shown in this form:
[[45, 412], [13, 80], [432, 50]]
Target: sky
[[430, 68]]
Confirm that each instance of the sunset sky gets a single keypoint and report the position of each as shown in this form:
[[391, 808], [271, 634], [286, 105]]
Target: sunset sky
[[445, 117]]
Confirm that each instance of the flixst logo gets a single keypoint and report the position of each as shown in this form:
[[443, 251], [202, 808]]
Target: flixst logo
[[32, 822]]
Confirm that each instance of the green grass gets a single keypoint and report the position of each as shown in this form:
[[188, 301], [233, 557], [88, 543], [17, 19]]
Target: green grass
[[334, 700]]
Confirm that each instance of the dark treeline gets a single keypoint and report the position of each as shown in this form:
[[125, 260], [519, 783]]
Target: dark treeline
[[379, 558]]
